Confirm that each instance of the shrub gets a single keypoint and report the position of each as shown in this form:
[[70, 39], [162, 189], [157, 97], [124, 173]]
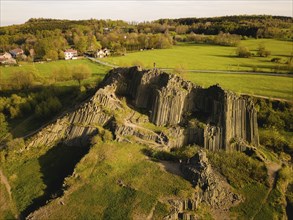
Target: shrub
[[3, 126], [262, 51], [80, 73], [275, 141], [48, 107], [242, 51], [179, 69], [238, 168]]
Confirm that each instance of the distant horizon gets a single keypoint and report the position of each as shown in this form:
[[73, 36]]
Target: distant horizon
[[86, 19], [18, 12]]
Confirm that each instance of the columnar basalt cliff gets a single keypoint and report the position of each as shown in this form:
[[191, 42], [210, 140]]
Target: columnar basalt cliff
[[212, 118]]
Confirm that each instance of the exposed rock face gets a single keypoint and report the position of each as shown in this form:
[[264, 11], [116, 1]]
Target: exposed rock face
[[212, 118], [211, 186]]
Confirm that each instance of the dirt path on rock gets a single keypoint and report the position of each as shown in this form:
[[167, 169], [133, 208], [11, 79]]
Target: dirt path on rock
[[272, 169]]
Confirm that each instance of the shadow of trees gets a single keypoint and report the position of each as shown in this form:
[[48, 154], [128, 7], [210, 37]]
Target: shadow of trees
[[58, 163]]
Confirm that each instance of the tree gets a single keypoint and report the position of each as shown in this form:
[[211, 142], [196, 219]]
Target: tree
[[22, 79], [181, 29], [242, 51], [80, 43], [262, 51], [51, 55], [80, 73], [3, 126], [93, 44]]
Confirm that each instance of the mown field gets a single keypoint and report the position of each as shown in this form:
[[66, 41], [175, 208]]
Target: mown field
[[210, 57]]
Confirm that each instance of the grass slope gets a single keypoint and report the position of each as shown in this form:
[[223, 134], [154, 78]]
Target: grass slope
[[94, 191]]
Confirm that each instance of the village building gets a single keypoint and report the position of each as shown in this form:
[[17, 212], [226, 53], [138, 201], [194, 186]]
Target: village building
[[70, 54], [102, 53], [16, 52], [6, 58]]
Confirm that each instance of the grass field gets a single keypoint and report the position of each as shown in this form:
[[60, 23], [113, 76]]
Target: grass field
[[44, 70], [192, 56], [208, 57], [270, 86]]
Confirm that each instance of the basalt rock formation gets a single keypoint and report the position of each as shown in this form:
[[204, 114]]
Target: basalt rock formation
[[210, 188], [130, 98]]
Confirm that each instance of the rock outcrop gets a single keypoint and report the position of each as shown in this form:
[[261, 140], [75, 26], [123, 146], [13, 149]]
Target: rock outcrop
[[211, 187], [212, 118]]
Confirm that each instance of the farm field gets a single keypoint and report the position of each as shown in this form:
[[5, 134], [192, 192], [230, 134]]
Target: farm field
[[209, 57]]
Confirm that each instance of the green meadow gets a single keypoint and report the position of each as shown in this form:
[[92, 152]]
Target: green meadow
[[193, 56], [210, 57], [45, 69], [261, 85]]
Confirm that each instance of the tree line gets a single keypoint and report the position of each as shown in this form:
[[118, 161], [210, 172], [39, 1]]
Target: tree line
[[47, 38]]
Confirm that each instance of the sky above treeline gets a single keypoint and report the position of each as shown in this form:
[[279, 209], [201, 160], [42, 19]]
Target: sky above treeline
[[18, 12]]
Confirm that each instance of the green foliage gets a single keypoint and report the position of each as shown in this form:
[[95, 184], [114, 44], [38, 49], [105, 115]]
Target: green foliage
[[243, 52], [48, 108], [262, 51], [274, 140], [80, 73], [254, 195], [3, 126], [22, 79], [274, 114], [239, 169], [179, 69], [227, 39], [51, 55], [15, 144], [185, 152], [176, 154], [61, 73]]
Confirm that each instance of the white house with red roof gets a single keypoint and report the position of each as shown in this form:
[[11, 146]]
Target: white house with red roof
[[70, 54]]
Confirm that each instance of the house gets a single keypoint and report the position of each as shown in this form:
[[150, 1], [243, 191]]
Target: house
[[102, 53], [70, 54], [6, 58], [16, 52]]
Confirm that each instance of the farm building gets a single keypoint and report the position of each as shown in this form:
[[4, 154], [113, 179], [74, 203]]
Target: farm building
[[70, 54]]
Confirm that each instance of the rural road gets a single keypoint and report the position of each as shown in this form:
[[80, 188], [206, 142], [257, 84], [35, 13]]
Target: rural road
[[202, 71]]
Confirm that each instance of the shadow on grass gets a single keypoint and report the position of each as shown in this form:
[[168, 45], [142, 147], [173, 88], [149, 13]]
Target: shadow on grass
[[58, 163]]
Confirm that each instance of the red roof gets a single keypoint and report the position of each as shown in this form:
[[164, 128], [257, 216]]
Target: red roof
[[70, 51], [16, 51]]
